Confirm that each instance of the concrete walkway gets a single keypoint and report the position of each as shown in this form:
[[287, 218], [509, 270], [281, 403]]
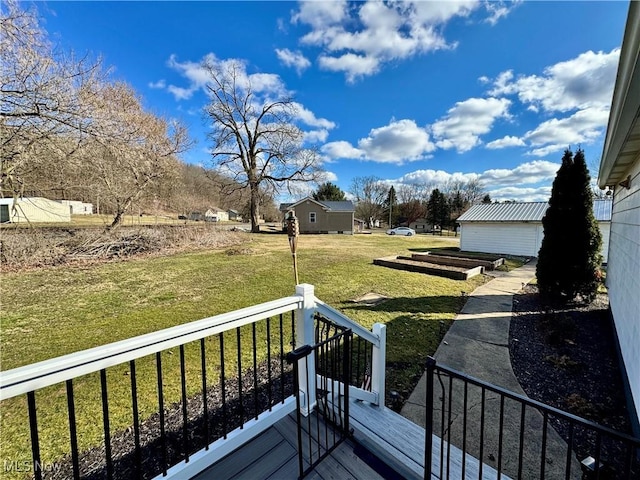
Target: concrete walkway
[[477, 344]]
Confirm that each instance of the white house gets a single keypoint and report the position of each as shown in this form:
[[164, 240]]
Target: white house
[[216, 215], [620, 173], [33, 209], [516, 228]]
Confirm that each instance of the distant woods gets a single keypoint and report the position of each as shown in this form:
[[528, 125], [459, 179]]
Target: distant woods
[[436, 203]]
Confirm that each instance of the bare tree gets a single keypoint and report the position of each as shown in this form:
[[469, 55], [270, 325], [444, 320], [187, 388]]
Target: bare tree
[[370, 194], [255, 140], [131, 149], [43, 93]]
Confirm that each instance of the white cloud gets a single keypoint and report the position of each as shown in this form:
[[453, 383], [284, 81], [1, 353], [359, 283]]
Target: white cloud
[[505, 142], [159, 84], [358, 38], [498, 9], [293, 59], [527, 182], [582, 82], [524, 174], [583, 127], [316, 136], [467, 120], [521, 194], [433, 177], [353, 65], [398, 142], [341, 149], [309, 118]]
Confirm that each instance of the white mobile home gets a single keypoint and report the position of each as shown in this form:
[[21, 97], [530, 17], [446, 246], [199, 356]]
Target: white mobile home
[[33, 210]]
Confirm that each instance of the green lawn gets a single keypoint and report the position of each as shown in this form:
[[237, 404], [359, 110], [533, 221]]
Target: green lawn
[[52, 312]]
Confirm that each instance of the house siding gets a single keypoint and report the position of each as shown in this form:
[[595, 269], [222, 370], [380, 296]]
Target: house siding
[[504, 238], [326, 221], [623, 277]]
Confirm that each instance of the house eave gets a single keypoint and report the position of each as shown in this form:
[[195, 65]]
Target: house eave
[[622, 142]]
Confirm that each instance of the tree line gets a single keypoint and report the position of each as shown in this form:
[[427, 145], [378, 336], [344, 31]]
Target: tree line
[[438, 203]]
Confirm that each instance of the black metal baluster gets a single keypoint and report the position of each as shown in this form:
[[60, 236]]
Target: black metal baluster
[[442, 430], [163, 436], [256, 403], [567, 474], [136, 417], [185, 414], [308, 404], [464, 429], [240, 382], [269, 384], [543, 454], [293, 330], [223, 387], [500, 426], [449, 423], [598, 454], [205, 407], [482, 408], [35, 442], [73, 435], [347, 362], [358, 380], [105, 420], [282, 374], [521, 448], [319, 361], [428, 429]]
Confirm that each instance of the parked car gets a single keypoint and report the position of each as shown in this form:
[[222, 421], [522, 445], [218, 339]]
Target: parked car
[[401, 231]]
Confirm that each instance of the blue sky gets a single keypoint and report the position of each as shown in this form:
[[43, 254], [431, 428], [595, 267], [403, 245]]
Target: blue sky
[[411, 92]]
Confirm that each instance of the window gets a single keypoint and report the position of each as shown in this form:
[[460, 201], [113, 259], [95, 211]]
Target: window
[[312, 217]]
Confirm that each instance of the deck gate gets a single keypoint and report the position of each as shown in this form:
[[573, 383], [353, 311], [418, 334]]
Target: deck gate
[[323, 421]]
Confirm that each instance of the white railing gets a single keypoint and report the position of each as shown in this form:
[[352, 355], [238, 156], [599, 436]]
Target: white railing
[[304, 304]]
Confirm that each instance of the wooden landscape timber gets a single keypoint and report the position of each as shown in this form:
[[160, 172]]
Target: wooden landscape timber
[[456, 261], [410, 265]]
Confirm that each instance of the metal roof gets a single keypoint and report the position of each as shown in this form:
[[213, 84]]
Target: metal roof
[[602, 209], [505, 212], [525, 212], [343, 206]]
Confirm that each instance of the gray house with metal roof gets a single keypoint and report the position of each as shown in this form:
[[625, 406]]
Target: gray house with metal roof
[[516, 228], [315, 216]]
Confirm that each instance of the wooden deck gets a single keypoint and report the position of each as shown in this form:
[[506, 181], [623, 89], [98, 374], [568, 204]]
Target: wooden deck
[[384, 445], [273, 455]]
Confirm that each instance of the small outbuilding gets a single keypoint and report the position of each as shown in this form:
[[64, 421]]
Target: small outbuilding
[[315, 216], [33, 210], [516, 228]]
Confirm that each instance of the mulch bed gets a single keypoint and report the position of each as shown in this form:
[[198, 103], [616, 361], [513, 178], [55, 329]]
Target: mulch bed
[[154, 455], [567, 358]]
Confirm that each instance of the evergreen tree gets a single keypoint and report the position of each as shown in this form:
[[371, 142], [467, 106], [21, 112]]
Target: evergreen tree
[[569, 257], [486, 198], [438, 208], [390, 206], [329, 192]]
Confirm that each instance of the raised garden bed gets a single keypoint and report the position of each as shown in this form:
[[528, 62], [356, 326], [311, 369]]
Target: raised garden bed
[[407, 264], [457, 261]]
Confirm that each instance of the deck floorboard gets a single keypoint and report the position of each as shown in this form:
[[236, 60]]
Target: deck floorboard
[[273, 456]]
